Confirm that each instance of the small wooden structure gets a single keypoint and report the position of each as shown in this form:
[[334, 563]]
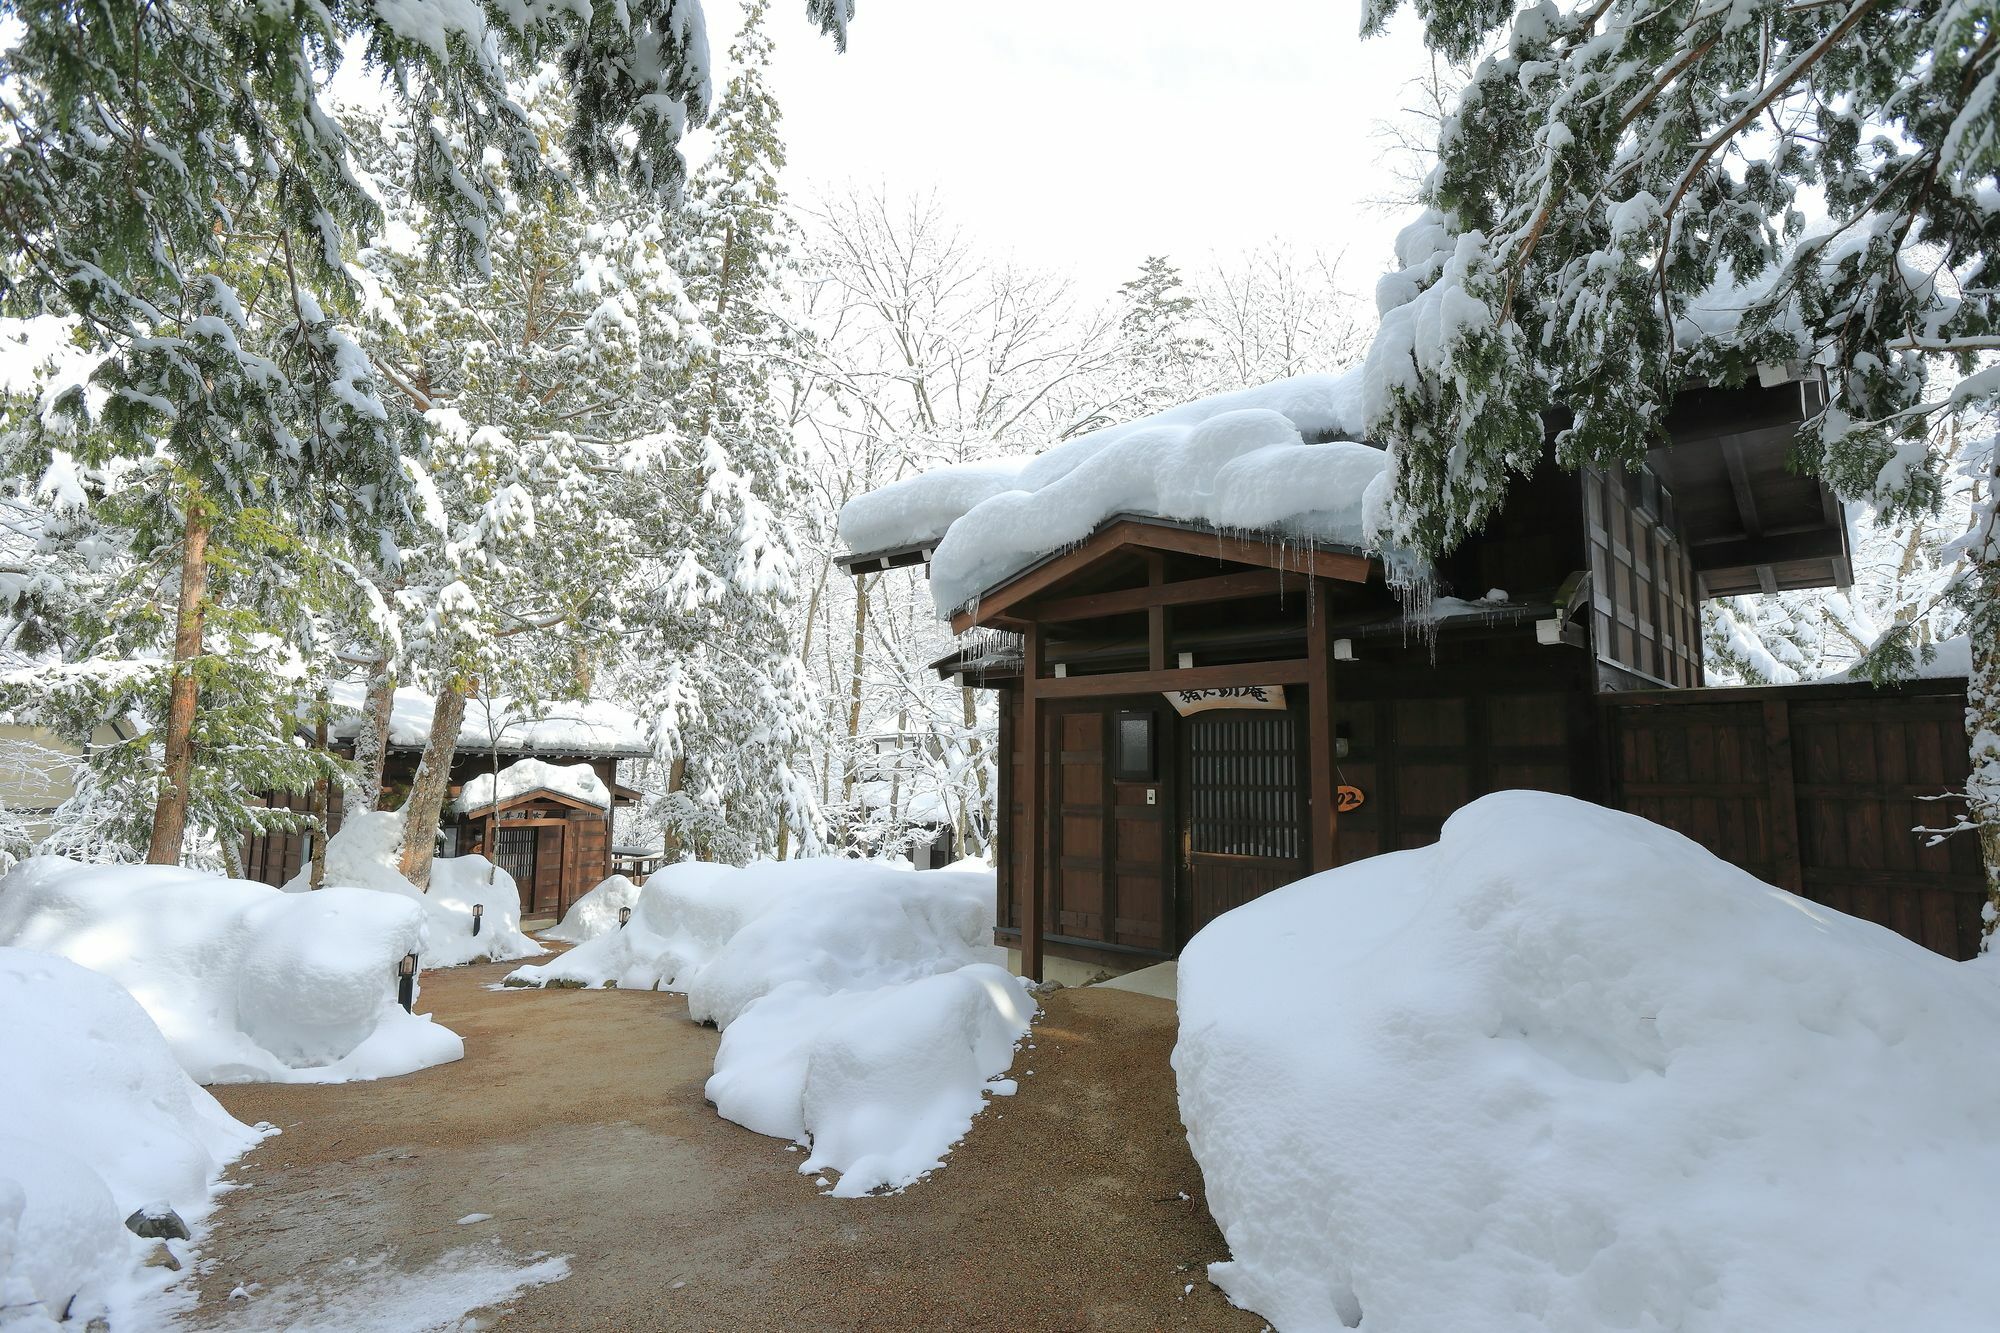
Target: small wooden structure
[[556, 846], [1189, 718], [555, 851]]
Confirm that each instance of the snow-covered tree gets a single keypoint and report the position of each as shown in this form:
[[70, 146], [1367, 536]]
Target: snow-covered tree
[[1623, 203], [173, 185], [712, 654], [1166, 356]]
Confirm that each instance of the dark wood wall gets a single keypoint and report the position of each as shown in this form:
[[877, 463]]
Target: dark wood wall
[[1645, 615], [1816, 789]]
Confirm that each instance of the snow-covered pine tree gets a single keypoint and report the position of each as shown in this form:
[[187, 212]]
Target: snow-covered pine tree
[[1166, 357], [547, 389], [713, 656], [149, 152], [1617, 174]]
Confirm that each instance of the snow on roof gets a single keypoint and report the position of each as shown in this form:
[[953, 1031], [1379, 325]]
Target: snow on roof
[[579, 782], [1279, 458], [587, 727]]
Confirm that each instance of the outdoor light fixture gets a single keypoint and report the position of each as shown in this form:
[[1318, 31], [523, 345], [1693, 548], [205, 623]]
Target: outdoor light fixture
[[478, 910], [1343, 650], [406, 981], [1186, 660], [624, 915]]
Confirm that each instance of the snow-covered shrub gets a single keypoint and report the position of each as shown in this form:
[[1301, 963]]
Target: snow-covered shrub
[[100, 1121], [864, 1009], [1565, 1070], [365, 854], [247, 983], [595, 913]]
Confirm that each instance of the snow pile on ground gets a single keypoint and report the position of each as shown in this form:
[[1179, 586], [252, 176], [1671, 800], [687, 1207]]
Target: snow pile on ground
[[596, 913], [247, 984], [576, 781], [863, 1010], [1565, 1070], [1248, 460], [100, 1123], [376, 1293], [366, 853]]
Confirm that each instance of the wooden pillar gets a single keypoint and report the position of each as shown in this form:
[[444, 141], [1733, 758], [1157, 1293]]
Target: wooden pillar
[[1156, 615], [1033, 855], [1319, 725]]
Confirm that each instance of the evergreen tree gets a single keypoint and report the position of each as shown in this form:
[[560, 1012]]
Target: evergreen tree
[[732, 701], [1163, 352], [1616, 211], [170, 181]]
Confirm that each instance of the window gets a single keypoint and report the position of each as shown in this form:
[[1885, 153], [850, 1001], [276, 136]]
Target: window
[[1244, 785], [1135, 748], [516, 854]]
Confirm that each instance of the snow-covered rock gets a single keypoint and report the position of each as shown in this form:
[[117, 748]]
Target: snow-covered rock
[[247, 983], [1565, 1070], [1278, 458], [864, 1010], [595, 913], [577, 781], [100, 1121], [366, 854]]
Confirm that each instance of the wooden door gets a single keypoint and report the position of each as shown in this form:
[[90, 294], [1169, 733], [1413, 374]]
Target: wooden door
[[549, 847], [1244, 806], [1110, 881]]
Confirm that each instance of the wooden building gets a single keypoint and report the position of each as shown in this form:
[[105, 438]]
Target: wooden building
[[556, 845], [1190, 718]]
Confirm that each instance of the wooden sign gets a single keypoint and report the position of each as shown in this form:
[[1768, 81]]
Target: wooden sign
[[1347, 798], [1186, 702]]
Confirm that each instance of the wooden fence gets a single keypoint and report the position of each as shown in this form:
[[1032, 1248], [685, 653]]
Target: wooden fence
[[1818, 789]]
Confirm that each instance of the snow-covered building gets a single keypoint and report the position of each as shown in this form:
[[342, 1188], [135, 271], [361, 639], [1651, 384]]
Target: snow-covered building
[[1209, 686], [535, 787]]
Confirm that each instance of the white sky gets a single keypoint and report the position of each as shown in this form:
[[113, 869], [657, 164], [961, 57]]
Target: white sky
[[1087, 134]]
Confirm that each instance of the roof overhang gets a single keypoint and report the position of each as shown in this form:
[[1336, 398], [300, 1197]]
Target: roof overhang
[[543, 794], [900, 557]]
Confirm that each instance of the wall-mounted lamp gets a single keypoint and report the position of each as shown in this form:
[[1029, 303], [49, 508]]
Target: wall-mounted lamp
[[478, 910], [624, 915], [1343, 650], [1186, 660], [406, 981], [1062, 670]]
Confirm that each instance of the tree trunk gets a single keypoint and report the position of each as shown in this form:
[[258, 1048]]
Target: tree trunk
[[322, 803], [371, 742], [855, 664], [427, 792], [1982, 726], [975, 756], [171, 811]]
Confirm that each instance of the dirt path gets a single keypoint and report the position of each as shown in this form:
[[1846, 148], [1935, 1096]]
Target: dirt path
[[577, 1121]]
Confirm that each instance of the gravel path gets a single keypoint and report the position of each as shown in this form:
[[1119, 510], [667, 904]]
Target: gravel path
[[576, 1121]]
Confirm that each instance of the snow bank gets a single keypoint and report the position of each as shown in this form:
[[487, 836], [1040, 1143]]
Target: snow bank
[[246, 983], [577, 781], [100, 1122], [1566, 1070], [1236, 461], [366, 854], [596, 912], [864, 1010]]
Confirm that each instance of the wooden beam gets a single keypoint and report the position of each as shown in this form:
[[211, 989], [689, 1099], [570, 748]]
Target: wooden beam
[[1186, 592], [1160, 682], [1319, 729], [1739, 486], [1033, 806], [1773, 549], [1341, 566], [1156, 613]]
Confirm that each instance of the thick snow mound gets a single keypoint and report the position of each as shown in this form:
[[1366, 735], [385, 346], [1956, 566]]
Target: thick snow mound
[[577, 781], [100, 1122], [864, 1010], [596, 913], [1566, 1070], [247, 983], [1247, 460], [366, 854]]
